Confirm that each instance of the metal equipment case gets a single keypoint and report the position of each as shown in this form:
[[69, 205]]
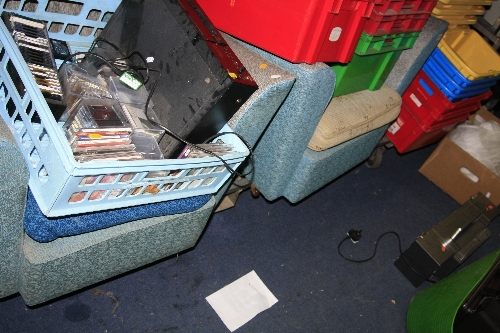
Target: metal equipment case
[[439, 251]]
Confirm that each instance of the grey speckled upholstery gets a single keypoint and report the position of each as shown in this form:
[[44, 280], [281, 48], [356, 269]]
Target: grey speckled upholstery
[[255, 114], [280, 149], [13, 190], [43, 271], [318, 168], [70, 263], [411, 60], [274, 86]]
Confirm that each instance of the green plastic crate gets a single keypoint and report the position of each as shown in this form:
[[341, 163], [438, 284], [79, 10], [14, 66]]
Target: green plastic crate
[[364, 72], [391, 42]]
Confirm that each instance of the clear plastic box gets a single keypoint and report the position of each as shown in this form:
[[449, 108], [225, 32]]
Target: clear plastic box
[[133, 103]]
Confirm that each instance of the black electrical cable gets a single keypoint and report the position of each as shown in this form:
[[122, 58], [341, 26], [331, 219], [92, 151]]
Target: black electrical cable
[[252, 157], [136, 52], [100, 39], [375, 252], [112, 65], [141, 78], [123, 55], [115, 69]]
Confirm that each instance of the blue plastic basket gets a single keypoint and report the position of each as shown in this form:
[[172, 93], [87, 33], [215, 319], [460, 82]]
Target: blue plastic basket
[[61, 185]]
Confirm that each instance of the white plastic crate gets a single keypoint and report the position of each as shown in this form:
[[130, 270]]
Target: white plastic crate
[[61, 185]]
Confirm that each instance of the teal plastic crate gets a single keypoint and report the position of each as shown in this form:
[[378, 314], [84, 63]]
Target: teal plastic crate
[[391, 42], [61, 185], [364, 72]]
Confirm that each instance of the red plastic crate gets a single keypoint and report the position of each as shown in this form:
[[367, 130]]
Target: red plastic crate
[[398, 16], [380, 24], [407, 134], [423, 91], [296, 30], [394, 7], [423, 114]]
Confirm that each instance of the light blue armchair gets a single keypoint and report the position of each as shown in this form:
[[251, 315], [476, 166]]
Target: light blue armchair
[[43, 271], [285, 167]]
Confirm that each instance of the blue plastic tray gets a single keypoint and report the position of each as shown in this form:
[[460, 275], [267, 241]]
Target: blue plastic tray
[[444, 86], [449, 73]]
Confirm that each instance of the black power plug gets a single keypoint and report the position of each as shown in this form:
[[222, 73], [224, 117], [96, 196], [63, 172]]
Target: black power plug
[[354, 235]]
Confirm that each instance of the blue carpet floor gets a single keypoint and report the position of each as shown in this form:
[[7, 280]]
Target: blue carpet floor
[[293, 249]]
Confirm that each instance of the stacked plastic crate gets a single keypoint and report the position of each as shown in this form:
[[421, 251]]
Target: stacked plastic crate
[[295, 30], [361, 39], [451, 84], [460, 12], [393, 26]]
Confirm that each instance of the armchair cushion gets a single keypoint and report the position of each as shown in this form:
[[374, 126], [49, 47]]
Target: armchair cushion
[[318, 168], [352, 115], [46, 229]]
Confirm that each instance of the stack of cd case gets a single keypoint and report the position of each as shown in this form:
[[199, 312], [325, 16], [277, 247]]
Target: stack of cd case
[[33, 41], [133, 103], [98, 130], [199, 151]]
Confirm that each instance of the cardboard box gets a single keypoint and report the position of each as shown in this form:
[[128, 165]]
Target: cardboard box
[[448, 165], [228, 201], [233, 192]]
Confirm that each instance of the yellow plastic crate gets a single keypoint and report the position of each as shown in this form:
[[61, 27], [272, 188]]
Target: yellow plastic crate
[[470, 54], [454, 20], [444, 9]]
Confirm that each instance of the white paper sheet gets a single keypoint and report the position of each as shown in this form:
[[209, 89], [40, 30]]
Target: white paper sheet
[[241, 300]]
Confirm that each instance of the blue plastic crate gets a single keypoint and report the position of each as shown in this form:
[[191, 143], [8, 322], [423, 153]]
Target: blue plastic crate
[[452, 85], [55, 177], [444, 86], [440, 59], [448, 73]]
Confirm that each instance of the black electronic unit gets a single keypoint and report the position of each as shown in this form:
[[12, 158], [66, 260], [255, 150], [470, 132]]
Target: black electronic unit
[[438, 252], [202, 83]]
